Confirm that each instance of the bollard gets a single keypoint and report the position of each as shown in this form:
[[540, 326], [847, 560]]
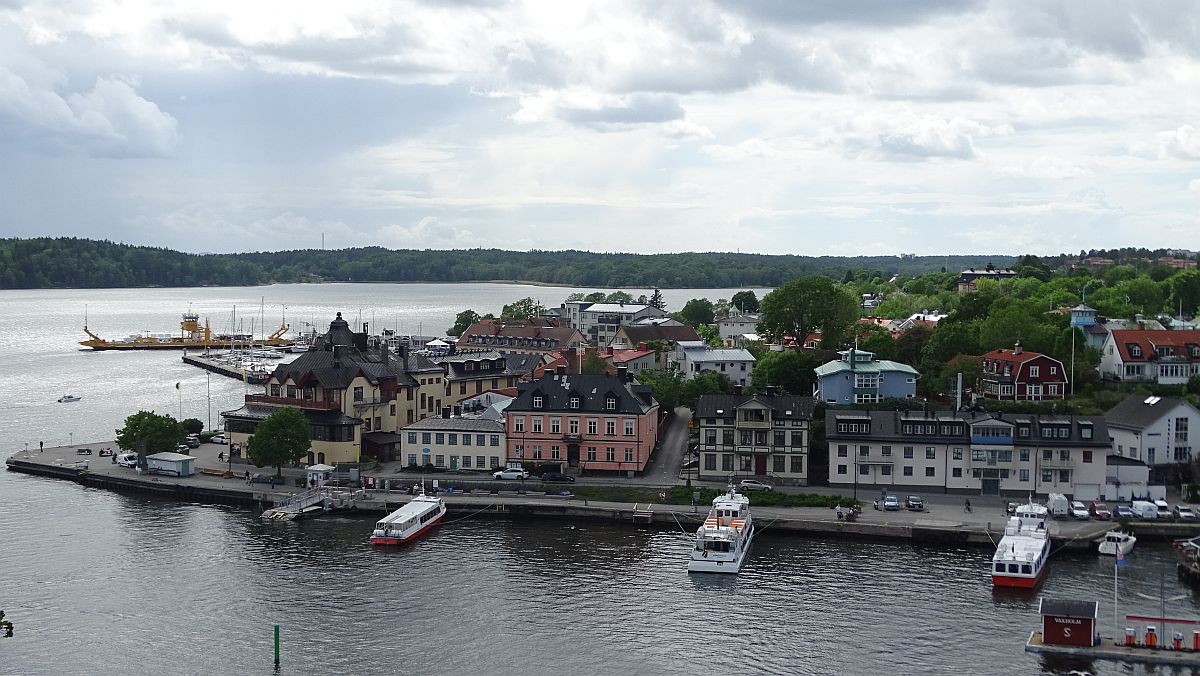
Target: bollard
[[1151, 637], [1177, 641], [1131, 636], [1196, 640]]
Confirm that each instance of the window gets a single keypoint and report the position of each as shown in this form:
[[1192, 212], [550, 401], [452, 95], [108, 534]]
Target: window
[[610, 454], [453, 439], [958, 453], [466, 461], [908, 470], [842, 451], [439, 460], [537, 451], [710, 462], [778, 463], [885, 470], [412, 437], [1064, 476], [864, 451], [1047, 476], [628, 454], [573, 426], [908, 452], [495, 440], [864, 470], [610, 403], [537, 425], [629, 428], [956, 472], [797, 439], [841, 469], [1024, 475], [574, 403], [1047, 454], [797, 464], [591, 427], [412, 458], [1024, 455], [537, 401], [929, 471], [466, 439], [1064, 455], [555, 426], [439, 438], [427, 437], [930, 453], [610, 427], [1053, 370], [358, 393], [479, 440], [726, 462], [518, 424], [555, 453], [1181, 429], [591, 453], [887, 451], [1033, 371], [978, 455]]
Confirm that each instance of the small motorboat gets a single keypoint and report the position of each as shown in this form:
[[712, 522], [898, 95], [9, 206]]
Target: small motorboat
[[1116, 539], [67, 398]]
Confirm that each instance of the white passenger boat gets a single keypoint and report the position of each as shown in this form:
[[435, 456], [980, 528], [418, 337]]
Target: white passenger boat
[[1020, 558], [1116, 539], [67, 398], [724, 537], [408, 522]]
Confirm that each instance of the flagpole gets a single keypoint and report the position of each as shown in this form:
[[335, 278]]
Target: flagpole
[[1116, 567]]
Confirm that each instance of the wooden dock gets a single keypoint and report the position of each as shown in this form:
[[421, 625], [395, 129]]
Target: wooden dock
[[1111, 650], [216, 366]]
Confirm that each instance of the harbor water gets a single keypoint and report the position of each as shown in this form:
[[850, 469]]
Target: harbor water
[[99, 582]]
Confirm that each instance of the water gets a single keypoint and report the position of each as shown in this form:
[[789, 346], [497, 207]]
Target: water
[[98, 582]]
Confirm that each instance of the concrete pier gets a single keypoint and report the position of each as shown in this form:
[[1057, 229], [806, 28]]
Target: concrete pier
[[1110, 650], [210, 363]]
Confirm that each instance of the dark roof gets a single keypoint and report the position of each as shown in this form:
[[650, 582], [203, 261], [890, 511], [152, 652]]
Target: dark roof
[[1065, 608], [352, 355], [1114, 459], [382, 437], [460, 424], [515, 364], [1135, 412], [592, 390], [645, 333], [890, 425], [784, 406]]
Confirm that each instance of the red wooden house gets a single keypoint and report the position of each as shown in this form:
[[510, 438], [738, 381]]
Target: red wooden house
[[1017, 375]]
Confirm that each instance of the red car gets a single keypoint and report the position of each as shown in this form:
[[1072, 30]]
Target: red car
[[1099, 510]]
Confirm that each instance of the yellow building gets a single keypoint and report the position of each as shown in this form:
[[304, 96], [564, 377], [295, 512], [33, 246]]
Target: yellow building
[[356, 394]]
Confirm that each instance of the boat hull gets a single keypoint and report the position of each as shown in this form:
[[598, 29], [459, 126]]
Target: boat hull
[[722, 565], [392, 541], [1016, 582]]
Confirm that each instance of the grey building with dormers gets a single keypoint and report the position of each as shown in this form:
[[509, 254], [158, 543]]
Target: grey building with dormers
[[754, 436], [968, 453]]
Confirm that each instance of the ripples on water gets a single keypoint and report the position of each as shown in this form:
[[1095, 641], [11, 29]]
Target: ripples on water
[[104, 583]]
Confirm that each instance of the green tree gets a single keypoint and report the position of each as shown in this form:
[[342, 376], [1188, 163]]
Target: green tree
[[283, 438], [710, 334], [147, 432], [667, 386], [618, 297], [593, 363], [705, 382], [746, 301], [802, 305], [656, 300], [462, 322], [524, 309], [1185, 292], [596, 297], [578, 295], [911, 343], [697, 311], [792, 370], [192, 425], [879, 341]]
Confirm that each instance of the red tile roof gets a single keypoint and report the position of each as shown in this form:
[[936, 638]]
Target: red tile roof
[[1180, 343]]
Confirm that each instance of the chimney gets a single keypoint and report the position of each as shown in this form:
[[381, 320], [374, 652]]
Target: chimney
[[457, 411], [623, 373], [1017, 349], [560, 370], [643, 346], [445, 411], [385, 354]]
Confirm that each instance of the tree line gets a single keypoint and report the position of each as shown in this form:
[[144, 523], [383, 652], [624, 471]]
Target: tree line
[[70, 262]]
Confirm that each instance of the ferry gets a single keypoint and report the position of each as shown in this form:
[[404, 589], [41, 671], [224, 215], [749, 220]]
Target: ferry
[[404, 524], [1020, 558], [1188, 552], [192, 335], [1115, 540], [724, 537]]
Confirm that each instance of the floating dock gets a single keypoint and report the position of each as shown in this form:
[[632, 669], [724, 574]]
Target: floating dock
[[1107, 649], [210, 363]]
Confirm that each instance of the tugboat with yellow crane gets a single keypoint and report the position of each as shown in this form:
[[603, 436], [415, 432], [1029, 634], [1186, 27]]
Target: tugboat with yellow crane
[[191, 336]]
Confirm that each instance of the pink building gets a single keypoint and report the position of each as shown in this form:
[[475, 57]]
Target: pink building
[[583, 422]]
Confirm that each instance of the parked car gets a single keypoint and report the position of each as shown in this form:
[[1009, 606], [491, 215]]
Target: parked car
[[192, 441], [260, 478], [1122, 512], [753, 485], [914, 503], [1164, 510], [219, 439], [1079, 511], [182, 448], [891, 503], [558, 477], [1185, 513], [127, 460], [1099, 510], [1144, 509], [510, 474]]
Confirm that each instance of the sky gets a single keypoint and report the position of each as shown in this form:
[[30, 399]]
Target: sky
[[823, 127]]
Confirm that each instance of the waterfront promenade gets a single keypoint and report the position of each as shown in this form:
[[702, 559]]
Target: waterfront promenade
[[223, 482]]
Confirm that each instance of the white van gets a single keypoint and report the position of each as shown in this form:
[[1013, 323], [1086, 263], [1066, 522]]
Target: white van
[[1143, 509], [127, 459], [1164, 510], [1059, 505]]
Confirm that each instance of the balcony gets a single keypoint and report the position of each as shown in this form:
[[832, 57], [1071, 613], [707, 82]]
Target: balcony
[[1057, 464], [991, 440], [294, 402], [572, 438]]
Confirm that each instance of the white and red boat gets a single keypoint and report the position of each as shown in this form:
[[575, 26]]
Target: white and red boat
[[724, 537], [419, 515], [1020, 558]]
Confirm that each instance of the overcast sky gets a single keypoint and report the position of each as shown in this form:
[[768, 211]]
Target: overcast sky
[[822, 127]]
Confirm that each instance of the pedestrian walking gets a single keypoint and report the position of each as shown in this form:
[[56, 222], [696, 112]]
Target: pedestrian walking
[[247, 477]]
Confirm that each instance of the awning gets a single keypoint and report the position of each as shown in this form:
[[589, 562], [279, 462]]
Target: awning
[[381, 438]]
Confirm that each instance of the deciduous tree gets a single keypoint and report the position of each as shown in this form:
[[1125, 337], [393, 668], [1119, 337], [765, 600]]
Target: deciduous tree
[[462, 322], [147, 432], [746, 301], [283, 438], [525, 308], [697, 311], [802, 305]]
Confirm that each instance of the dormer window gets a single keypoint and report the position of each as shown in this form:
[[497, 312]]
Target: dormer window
[[1135, 350], [574, 403], [537, 401], [610, 403]]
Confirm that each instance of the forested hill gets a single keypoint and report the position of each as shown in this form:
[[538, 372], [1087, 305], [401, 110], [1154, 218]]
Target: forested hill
[[83, 263]]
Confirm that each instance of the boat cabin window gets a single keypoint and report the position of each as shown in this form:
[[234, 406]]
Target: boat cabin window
[[1013, 568], [999, 567], [1027, 569]]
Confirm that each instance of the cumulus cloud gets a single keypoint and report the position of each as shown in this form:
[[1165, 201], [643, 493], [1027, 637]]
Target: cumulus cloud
[[1183, 143], [901, 134], [109, 120]]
